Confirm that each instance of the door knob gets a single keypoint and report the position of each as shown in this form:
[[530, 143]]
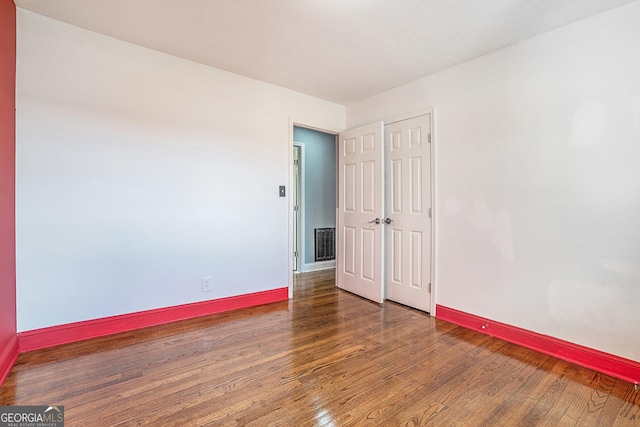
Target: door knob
[[387, 220], [377, 221]]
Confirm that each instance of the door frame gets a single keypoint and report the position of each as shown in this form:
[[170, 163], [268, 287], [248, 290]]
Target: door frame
[[301, 224], [321, 128], [433, 148]]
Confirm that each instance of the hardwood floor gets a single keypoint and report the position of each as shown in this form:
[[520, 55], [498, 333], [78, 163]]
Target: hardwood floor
[[325, 358]]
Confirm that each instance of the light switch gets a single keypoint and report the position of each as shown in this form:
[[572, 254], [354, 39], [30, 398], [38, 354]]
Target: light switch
[[283, 191]]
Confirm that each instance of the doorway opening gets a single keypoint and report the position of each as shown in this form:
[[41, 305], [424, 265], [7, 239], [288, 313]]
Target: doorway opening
[[314, 198]]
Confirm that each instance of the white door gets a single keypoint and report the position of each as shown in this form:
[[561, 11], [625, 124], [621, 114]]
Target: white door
[[407, 207], [360, 208]]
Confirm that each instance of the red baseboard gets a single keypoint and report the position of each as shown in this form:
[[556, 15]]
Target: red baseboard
[[609, 364], [72, 332], [8, 357]]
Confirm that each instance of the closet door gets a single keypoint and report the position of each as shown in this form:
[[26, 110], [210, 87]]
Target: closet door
[[408, 212], [360, 212]]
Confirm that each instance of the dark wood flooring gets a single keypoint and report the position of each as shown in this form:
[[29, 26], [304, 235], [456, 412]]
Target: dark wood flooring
[[325, 358]]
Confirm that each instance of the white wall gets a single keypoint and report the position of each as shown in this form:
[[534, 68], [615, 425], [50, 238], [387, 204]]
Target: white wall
[[138, 173], [538, 206]]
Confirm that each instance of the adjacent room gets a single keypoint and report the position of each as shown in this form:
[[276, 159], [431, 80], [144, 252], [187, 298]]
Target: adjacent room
[[249, 212]]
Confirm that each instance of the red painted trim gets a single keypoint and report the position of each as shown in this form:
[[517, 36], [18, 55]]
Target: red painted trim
[[7, 186], [72, 332], [8, 358], [609, 364]]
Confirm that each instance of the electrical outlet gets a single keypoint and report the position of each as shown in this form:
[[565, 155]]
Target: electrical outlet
[[206, 284]]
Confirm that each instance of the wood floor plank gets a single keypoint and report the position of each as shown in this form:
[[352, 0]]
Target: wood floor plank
[[324, 358]]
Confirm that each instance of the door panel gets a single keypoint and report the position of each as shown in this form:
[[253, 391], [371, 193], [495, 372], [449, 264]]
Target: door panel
[[368, 259], [408, 199], [360, 238], [349, 251], [370, 186], [396, 255], [416, 260]]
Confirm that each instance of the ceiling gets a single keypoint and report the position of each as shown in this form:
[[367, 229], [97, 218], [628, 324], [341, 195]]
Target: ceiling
[[338, 50]]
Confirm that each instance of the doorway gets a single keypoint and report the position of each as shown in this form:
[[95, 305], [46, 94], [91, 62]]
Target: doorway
[[314, 199]]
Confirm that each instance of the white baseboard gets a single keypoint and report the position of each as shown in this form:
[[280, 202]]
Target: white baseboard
[[320, 265]]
